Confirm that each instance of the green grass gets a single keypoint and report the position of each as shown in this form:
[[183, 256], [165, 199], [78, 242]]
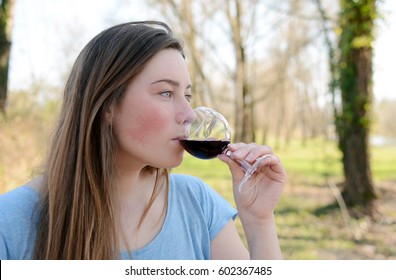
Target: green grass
[[384, 163]]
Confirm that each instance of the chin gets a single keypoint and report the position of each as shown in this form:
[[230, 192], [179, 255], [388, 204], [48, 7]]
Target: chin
[[176, 164], [171, 164]]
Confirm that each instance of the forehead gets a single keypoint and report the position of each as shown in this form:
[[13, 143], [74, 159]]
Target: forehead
[[166, 64]]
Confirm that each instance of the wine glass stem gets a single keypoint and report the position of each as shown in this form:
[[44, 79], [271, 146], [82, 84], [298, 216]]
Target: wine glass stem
[[242, 163], [249, 171]]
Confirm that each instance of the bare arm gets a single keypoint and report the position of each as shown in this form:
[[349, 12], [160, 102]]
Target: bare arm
[[262, 242], [256, 205], [227, 245]]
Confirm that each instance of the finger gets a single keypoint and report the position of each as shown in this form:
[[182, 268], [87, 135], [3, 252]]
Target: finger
[[234, 166], [248, 152], [273, 168], [240, 150], [256, 152], [225, 158], [234, 146]]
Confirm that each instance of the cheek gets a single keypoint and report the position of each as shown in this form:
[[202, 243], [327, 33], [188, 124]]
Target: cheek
[[147, 127]]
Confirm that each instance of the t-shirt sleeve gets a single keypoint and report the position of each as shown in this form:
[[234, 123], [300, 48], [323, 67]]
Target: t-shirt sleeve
[[217, 210], [219, 214]]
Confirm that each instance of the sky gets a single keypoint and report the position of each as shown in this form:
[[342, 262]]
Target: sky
[[385, 54], [48, 34]]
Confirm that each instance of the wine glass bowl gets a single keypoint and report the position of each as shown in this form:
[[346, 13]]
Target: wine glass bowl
[[208, 135], [209, 124]]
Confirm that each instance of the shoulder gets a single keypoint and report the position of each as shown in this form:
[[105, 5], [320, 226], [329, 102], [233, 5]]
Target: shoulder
[[17, 207], [18, 199], [195, 195], [17, 222]]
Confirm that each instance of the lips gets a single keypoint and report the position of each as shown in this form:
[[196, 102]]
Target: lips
[[183, 137]]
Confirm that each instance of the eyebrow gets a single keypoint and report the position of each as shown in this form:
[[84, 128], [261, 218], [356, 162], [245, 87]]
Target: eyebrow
[[171, 82]]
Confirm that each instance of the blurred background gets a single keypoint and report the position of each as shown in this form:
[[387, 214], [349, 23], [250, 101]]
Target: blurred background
[[311, 78]]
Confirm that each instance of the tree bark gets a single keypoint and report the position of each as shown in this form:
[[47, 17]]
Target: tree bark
[[6, 12], [353, 125]]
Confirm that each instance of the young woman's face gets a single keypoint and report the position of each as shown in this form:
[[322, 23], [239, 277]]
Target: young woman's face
[[153, 114]]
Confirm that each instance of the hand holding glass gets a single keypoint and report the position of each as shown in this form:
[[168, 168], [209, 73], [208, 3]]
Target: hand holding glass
[[209, 135]]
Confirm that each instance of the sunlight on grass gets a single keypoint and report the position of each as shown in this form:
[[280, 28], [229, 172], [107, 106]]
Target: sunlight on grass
[[384, 163]]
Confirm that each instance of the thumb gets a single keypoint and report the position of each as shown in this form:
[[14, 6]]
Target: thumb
[[234, 166]]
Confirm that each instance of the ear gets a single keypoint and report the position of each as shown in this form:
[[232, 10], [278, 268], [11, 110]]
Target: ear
[[109, 114]]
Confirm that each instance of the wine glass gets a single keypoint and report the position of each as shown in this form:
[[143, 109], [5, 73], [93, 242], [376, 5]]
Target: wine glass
[[209, 135]]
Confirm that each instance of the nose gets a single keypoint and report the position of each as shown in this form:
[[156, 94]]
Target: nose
[[186, 115]]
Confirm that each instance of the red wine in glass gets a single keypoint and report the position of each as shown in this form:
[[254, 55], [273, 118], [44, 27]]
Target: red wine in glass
[[205, 149]]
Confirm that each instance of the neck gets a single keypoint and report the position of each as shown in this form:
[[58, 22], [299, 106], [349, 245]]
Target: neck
[[135, 187], [141, 208]]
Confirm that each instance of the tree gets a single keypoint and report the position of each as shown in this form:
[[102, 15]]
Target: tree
[[353, 123], [6, 11], [244, 107]]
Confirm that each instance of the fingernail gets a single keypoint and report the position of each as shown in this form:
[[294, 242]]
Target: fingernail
[[232, 146]]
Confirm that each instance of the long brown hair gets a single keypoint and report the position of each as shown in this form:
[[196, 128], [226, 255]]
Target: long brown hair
[[76, 211]]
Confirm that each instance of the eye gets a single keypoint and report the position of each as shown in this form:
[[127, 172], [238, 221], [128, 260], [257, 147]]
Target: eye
[[166, 93], [188, 97]]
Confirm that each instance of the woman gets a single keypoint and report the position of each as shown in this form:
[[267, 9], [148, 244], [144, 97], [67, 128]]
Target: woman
[[106, 192]]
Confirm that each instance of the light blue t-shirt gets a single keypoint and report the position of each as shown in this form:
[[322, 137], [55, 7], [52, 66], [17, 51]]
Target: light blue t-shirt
[[195, 215]]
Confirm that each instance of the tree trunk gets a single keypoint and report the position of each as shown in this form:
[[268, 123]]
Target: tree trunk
[[244, 107], [6, 9], [353, 124]]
